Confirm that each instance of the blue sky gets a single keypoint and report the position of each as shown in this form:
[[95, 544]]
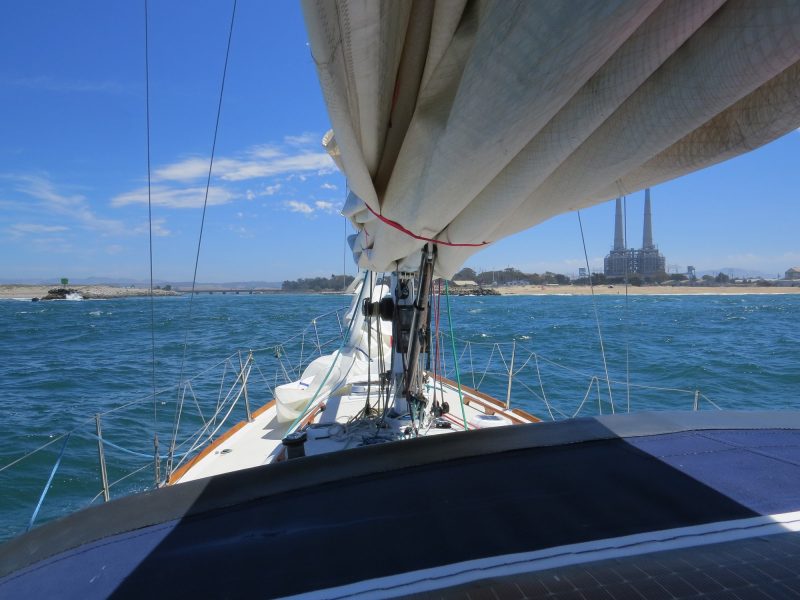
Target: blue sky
[[73, 162]]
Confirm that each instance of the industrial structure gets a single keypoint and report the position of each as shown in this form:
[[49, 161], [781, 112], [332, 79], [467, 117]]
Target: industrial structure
[[646, 262]]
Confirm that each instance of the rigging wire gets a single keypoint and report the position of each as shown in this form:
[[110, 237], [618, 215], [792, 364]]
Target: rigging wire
[[200, 236], [344, 257], [437, 370], [34, 451], [455, 356], [381, 369], [368, 319], [626, 316], [150, 233], [596, 316]]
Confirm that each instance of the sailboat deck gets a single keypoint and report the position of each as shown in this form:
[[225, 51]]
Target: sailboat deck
[[244, 446], [258, 442]]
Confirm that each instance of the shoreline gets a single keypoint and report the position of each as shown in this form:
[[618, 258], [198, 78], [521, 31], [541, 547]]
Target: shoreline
[[108, 292], [89, 292], [644, 290]]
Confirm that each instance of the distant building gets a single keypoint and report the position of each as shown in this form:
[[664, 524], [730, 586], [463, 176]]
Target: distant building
[[793, 273], [464, 282], [646, 262]]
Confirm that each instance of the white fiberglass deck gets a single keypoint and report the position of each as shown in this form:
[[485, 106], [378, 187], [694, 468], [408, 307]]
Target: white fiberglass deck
[[259, 441]]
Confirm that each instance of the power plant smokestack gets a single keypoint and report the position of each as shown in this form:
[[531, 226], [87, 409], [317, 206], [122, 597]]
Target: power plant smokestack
[[647, 242], [646, 262], [619, 238]]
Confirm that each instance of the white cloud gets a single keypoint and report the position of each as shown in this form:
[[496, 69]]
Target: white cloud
[[114, 249], [250, 195], [185, 170], [74, 206], [158, 228], [240, 231], [328, 186], [325, 206], [191, 197], [52, 84], [270, 190], [304, 139], [257, 162], [22, 228], [50, 244], [310, 210], [299, 207]]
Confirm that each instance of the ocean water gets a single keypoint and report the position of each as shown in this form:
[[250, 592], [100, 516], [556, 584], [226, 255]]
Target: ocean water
[[63, 362]]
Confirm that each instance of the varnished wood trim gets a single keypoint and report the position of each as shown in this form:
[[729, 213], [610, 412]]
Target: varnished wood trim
[[526, 415], [310, 416], [263, 409], [459, 422], [473, 392], [491, 405], [205, 452]]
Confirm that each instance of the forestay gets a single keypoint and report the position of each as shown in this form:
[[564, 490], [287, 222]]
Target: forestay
[[466, 121]]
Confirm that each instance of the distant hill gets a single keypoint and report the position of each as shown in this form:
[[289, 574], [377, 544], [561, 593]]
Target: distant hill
[[115, 281], [140, 283]]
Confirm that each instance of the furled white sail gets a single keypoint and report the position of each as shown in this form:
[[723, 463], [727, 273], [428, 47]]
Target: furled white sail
[[465, 121]]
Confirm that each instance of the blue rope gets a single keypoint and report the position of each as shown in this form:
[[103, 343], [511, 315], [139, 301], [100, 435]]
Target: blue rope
[[49, 481]]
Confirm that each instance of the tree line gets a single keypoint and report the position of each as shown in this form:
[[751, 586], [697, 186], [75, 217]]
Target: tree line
[[507, 276], [318, 284], [510, 276]]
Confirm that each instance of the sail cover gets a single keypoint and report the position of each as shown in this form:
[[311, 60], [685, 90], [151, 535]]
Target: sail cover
[[465, 121]]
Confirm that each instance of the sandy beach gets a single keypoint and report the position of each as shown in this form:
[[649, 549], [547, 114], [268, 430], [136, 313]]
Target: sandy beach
[[9, 291], [644, 290], [87, 291]]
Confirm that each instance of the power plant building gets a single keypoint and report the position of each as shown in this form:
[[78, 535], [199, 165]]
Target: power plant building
[[646, 262]]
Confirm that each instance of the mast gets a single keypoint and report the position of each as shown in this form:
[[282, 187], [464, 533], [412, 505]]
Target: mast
[[408, 308], [419, 325], [647, 241]]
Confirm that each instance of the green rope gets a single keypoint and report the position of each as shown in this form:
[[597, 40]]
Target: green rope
[[455, 356], [335, 358]]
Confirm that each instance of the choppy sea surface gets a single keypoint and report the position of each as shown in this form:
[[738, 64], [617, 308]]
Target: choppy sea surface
[[63, 362]]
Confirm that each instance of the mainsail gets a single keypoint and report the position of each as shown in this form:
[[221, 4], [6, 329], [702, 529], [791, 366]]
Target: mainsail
[[466, 121]]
